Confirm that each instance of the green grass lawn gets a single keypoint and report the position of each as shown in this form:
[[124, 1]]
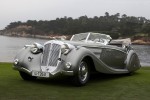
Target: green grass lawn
[[100, 87]]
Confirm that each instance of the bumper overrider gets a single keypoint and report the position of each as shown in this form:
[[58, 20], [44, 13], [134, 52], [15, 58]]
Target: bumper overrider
[[44, 61]]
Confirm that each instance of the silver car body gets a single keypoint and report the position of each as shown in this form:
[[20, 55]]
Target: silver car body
[[58, 57]]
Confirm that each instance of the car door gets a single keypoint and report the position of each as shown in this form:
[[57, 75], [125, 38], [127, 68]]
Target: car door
[[113, 57]]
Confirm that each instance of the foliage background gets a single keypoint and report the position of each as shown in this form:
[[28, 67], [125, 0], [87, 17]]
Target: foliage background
[[115, 25]]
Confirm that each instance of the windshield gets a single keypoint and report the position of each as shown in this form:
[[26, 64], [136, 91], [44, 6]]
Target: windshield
[[79, 37], [91, 37], [94, 36]]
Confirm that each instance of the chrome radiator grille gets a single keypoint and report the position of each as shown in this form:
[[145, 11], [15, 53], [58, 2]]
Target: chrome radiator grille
[[51, 54]]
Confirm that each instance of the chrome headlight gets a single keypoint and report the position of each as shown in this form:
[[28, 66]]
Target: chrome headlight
[[65, 49], [36, 48]]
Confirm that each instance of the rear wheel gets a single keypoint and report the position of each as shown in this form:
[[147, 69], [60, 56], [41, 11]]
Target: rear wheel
[[25, 76], [82, 74]]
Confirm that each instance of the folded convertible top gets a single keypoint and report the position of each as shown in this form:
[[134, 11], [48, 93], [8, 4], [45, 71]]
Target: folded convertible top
[[126, 41]]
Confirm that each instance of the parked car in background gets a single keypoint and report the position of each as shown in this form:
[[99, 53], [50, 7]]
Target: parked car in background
[[78, 57]]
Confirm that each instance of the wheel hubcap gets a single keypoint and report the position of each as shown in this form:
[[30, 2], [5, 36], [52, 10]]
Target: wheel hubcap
[[83, 71]]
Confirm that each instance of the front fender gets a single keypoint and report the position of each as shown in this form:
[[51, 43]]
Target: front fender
[[24, 56], [76, 56]]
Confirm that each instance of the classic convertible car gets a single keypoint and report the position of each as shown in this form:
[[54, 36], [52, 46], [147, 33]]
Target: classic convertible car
[[82, 54]]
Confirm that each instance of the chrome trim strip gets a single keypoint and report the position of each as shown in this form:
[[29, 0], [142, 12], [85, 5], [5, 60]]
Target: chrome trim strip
[[26, 70], [67, 72]]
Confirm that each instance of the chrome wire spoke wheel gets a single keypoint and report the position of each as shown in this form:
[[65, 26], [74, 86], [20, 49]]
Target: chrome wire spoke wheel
[[83, 71]]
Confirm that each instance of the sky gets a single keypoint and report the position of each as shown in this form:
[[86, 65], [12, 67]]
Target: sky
[[23, 10]]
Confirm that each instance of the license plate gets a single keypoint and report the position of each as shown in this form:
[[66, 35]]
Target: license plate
[[40, 74]]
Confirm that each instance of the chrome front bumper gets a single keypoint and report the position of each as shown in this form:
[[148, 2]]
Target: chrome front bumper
[[53, 74]]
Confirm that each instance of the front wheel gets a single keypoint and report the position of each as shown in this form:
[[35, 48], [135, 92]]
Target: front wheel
[[82, 74], [27, 77]]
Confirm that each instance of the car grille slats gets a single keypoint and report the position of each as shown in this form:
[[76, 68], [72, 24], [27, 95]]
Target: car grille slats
[[54, 55], [45, 54], [51, 54]]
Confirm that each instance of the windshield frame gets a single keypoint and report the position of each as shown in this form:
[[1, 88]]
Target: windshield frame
[[94, 36], [80, 37], [90, 37]]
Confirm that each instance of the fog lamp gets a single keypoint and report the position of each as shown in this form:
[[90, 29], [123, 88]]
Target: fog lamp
[[16, 62], [68, 65]]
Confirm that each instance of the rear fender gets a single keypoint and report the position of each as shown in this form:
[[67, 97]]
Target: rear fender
[[132, 61]]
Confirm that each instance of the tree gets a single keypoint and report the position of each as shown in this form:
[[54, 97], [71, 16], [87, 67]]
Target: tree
[[115, 25]]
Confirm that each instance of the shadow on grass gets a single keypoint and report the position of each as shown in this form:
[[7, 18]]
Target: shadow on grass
[[58, 81], [100, 77], [95, 78]]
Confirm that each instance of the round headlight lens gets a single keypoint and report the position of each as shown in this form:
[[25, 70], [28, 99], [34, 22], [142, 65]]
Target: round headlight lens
[[36, 48], [65, 49]]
